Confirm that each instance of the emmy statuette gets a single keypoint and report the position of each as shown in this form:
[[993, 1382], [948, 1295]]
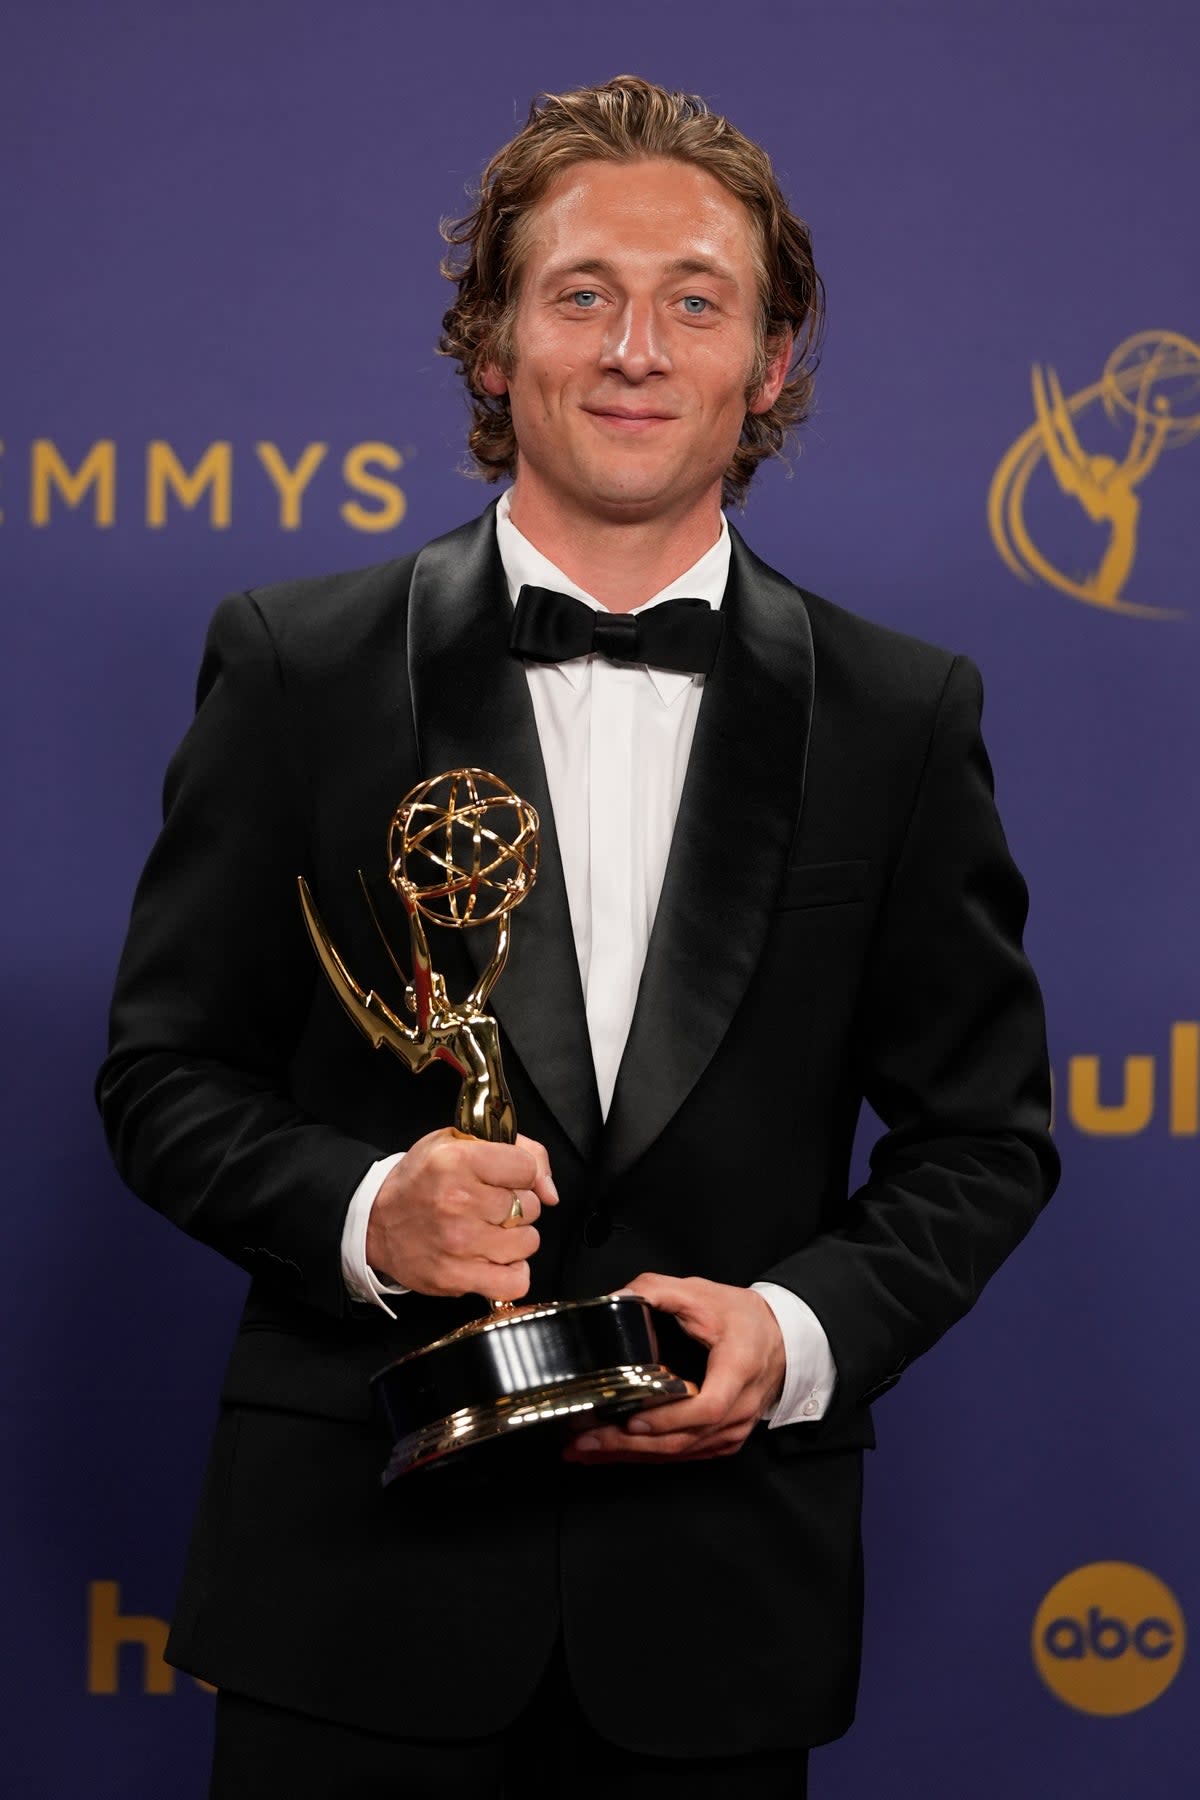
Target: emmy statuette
[[463, 852]]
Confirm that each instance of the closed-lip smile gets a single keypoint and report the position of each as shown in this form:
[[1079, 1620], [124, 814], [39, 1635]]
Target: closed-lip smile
[[627, 415]]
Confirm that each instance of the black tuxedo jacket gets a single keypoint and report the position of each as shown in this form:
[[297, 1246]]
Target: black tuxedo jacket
[[840, 919]]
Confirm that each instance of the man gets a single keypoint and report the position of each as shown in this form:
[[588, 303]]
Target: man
[[773, 883]]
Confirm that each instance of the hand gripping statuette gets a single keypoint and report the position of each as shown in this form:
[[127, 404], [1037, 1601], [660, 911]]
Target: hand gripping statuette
[[463, 852]]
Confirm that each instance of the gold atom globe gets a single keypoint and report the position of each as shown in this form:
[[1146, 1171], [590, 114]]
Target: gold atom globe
[[1154, 376], [463, 847]]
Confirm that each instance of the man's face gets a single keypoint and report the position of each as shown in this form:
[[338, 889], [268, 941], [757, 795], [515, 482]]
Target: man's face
[[633, 343]]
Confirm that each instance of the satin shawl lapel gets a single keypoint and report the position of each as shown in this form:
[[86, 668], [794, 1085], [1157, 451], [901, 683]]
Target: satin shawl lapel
[[737, 818], [471, 708]]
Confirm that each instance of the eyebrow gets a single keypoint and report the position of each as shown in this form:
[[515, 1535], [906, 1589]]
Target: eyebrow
[[599, 265]]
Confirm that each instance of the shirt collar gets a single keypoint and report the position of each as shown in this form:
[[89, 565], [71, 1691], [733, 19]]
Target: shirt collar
[[524, 565]]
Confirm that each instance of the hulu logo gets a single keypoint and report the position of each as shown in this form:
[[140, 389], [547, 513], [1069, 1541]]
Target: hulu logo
[[1122, 1097], [140, 1635]]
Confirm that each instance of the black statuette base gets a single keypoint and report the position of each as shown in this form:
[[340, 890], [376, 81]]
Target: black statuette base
[[567, 1362]]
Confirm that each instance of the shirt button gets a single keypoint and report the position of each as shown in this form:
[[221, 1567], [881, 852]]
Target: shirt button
[[810, 1407]]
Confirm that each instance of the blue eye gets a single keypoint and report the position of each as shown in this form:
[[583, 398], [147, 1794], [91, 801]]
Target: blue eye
[[695, 304], [585, 298]]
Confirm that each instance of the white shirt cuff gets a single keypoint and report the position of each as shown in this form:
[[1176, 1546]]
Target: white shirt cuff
[[811, 1373], [362, 1283]]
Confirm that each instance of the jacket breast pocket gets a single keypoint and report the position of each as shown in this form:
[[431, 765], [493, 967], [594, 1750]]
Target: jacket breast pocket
[[823, 884]]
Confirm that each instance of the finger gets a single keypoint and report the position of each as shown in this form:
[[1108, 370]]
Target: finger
[[495, 1282], [653, 1425], [614, 1446], [615, 1441], [511, 1207], [670, 1292], [507, 1244], [716, 1402], [543, 1182], [608, 1439], [688, 1298], [722, 1443], [501, 1165]]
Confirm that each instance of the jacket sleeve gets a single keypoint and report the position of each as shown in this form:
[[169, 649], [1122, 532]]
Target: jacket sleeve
[[952, 1048], [214, 987]]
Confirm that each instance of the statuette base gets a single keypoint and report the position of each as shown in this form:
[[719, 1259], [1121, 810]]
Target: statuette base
[[553, 1364]]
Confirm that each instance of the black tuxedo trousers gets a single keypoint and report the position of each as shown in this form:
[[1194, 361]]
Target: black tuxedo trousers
[[840, 920]]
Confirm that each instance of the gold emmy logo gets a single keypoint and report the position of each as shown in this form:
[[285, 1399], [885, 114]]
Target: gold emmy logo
[[1151, 386], [1108, 1638]]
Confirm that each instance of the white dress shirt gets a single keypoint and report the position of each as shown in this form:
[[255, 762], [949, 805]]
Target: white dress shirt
[[615, 741]]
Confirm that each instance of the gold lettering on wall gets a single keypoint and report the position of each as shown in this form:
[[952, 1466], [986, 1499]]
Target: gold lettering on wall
[[356, 470], [213, 472], [1185, 1079], [109, 1630], [290, 483], [1130, 1103], [48, 473], [59, 485], [1121, 1118]]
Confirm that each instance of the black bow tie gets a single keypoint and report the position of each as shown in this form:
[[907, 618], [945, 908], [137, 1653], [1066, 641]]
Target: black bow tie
[[677, 634]]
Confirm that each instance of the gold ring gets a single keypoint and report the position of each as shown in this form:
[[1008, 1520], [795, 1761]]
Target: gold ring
[[516, 1211]]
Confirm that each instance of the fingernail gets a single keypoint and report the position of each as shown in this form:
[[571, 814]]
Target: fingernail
[[638, 1426], [551, 1186], [588, 1442]]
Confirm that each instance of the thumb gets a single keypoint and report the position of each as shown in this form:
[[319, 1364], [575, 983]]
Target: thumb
[[683, 1298]]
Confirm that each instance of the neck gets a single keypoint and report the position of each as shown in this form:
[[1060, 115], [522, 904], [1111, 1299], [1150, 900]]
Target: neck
[[623, 562]]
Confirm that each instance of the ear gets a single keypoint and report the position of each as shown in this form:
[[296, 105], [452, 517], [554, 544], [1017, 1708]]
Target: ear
[[777, 370], [492, 381]]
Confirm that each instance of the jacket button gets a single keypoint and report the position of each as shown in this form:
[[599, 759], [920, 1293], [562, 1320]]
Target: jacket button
[[597, 1229]]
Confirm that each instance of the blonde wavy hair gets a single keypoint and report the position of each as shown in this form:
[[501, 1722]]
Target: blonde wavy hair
[[626, 120]]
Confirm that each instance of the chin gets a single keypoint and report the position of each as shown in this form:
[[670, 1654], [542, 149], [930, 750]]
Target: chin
[[633, 487], [630, 501]]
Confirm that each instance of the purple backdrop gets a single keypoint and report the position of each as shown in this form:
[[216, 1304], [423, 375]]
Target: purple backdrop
[[221, 230]]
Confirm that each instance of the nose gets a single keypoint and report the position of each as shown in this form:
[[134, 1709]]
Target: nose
[[635, 345]]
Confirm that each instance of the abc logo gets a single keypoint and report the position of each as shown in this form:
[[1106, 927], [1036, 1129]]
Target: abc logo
[[1108, 1638]]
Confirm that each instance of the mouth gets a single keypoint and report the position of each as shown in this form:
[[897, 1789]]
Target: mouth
[[628, 419]]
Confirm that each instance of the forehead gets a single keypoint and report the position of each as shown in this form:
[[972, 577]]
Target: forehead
[[656, 212]]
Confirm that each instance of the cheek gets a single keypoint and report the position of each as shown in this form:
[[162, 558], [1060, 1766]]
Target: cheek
[[531, 403], [724, 379], [727, 402], [545, 362]]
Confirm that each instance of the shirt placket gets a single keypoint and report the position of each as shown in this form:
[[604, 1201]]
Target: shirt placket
[[612, 824]]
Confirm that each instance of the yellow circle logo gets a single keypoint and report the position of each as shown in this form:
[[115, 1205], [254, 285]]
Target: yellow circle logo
[[1108, 1638]]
